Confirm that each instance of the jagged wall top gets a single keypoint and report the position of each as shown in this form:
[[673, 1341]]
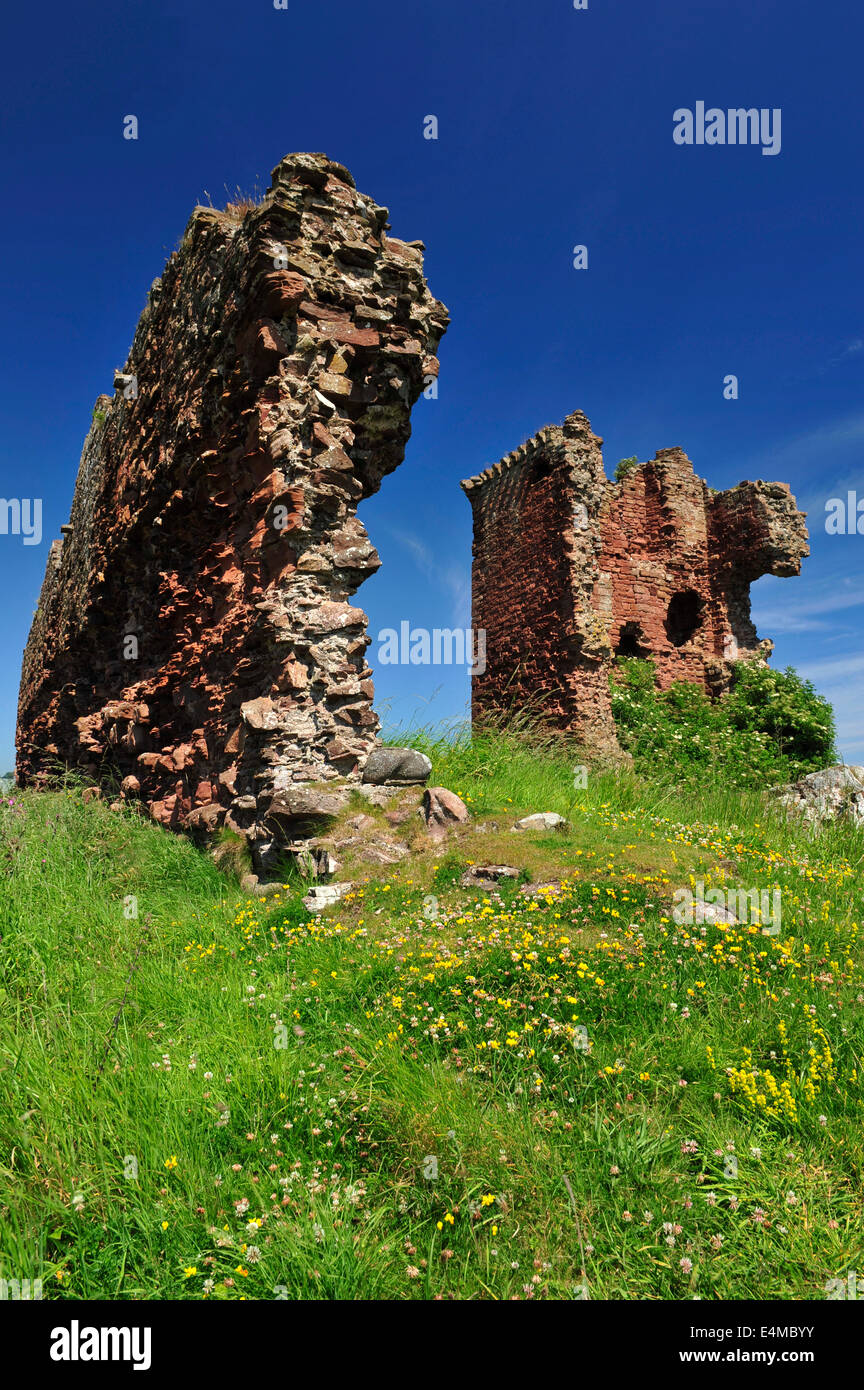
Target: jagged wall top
[[274, 369]]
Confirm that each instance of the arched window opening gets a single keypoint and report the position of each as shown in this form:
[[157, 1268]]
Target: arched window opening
[[684, 616]]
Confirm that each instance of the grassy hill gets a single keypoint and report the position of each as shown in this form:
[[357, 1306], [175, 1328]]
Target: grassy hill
[[434, 1091]]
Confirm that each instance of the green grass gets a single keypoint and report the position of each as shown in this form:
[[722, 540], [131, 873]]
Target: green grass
[[431, 1091]]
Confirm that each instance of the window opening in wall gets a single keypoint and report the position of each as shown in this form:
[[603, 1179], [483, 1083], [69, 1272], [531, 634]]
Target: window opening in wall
[[684, 616], [631, 640]]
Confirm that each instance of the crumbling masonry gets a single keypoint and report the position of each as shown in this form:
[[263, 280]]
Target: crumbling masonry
[[195, 637], [570, 568]]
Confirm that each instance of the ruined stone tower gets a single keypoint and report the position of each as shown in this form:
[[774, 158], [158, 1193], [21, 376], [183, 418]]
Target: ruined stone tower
[[195, 636], [570, 568]]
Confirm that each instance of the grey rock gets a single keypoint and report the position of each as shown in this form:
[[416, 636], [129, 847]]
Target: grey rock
[[826, 795], [489, 875], [551, 888], [703, 912], [384, 852], [268, 890], [241, 814], [402, 765], [259, 713], [299, 805], [541, 820], [325, 895], [314, 861]]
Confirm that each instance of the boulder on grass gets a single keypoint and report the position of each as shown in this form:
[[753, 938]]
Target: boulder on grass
[[403, 765], [827, 795], [489, 875], [325, 895], [541, 820], [384, 852], [268, 890], [703, 912], [441, 810]]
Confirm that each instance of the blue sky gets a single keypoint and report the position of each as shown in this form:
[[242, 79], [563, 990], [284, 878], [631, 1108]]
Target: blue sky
[[555, 129]]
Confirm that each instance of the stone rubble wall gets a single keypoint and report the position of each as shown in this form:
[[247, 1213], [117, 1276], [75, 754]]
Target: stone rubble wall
[[570, 568], [195, 638]]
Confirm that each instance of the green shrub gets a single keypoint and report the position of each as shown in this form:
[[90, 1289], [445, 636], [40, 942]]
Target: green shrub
[[772, 726], [780, 704], [625, 466]]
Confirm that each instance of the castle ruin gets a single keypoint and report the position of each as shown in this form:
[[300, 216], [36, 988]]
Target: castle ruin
[[570, 569], [195, 643]]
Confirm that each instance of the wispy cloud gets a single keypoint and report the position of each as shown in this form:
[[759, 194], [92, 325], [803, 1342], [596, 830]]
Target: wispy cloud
[[810, 614], [823, 452], [852, 349], [813, 503], [836, 670], [446, 575], [839, 679]]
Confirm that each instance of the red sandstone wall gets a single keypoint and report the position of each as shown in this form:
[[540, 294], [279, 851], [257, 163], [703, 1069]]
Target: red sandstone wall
[[536, 542], [520, 579], [566, 563], [657, 542], [214, 521]]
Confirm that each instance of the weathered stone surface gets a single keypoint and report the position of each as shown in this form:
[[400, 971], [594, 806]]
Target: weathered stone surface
[[384, 852], [489, 875], [378, 796], [299, 805], [403, 765], [314, 861], [541, 820], [700, 912], [552, 888], [441, 810], [205, 818], [570, 568], [195, 628], [325, 895], [826, 795]]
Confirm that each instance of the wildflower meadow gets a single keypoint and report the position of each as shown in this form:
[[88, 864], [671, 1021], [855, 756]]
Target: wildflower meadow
[[547, 1089]]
